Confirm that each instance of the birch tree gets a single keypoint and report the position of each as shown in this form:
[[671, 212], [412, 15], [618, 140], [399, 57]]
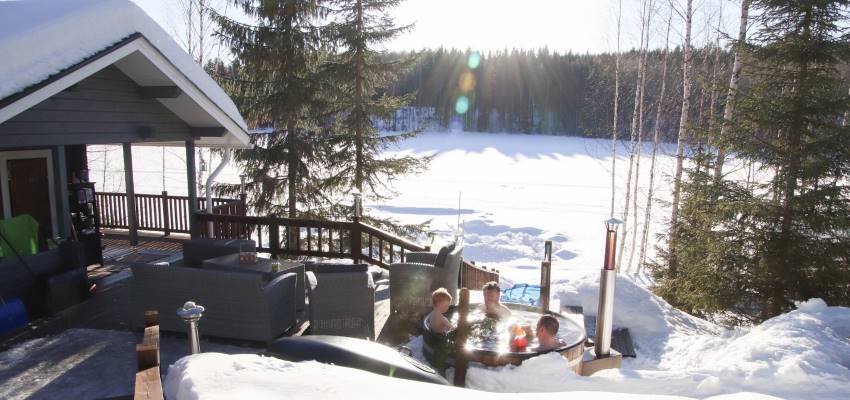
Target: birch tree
[[647, 216], [637, 121], [684, 122], [616, 110], [729, 108]]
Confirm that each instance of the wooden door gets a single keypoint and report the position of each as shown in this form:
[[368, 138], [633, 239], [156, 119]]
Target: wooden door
[[29, 191]]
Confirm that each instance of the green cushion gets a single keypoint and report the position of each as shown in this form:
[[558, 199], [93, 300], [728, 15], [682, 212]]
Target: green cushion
[[21, 232]]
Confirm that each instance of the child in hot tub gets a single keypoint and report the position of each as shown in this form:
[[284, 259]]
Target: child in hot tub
[[547, 333], [440, 299]]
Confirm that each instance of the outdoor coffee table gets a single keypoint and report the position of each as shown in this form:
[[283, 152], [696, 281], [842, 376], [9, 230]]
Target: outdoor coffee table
[[262, 266]]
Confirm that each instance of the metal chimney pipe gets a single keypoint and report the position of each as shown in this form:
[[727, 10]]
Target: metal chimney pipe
[[191, 313], [607, 281]]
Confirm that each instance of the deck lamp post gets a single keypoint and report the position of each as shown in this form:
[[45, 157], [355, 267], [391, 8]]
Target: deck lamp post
[[358, 206], [605, 311], [191, 313], [242, 179]]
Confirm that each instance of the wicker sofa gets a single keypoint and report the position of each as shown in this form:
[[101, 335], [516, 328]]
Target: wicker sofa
[[412, 281], [46, 282], [238, 305]]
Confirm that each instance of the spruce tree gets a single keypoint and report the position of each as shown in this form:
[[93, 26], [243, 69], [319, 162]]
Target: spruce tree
[[277, 83], [756, 248], [362, 77]]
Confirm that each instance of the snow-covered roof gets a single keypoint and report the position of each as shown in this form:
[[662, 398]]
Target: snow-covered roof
[[41, 39]]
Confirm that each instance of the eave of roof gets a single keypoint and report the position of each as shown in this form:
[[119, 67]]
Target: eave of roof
[[233, 127]]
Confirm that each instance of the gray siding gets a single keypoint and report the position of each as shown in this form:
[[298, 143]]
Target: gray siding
[[101, 109]]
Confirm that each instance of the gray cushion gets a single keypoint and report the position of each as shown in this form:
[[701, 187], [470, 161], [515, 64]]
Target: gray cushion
[[442, 254]]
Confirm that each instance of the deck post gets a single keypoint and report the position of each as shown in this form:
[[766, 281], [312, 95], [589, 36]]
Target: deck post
[[545, 276], [274, 239], [132, 222], [60, 173], [460, 339], [166, 217], [192, 186]]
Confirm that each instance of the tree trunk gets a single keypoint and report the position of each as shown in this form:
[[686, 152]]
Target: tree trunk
[[359, 112], [729, 108], [292, 171], [639, 146], [793, 140], [655, 137], [633, 134], [683, 136], [616, 111]]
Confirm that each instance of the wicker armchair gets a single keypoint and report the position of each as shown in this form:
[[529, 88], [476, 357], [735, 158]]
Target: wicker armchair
[[343, 301], [412, 281]]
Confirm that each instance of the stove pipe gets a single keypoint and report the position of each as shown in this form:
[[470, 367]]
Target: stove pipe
[[605, 311]]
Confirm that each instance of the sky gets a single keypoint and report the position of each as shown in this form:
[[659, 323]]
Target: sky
[[578, 26]]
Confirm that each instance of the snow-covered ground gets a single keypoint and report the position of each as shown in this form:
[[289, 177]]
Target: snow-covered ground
[[516, 191], [804, 354]]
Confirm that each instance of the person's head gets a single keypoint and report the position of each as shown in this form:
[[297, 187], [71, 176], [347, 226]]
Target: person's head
[[547, 328], [441, 299], [492, 292]]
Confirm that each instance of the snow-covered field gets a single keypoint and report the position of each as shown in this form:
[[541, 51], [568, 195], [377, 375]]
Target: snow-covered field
[[516, 191]]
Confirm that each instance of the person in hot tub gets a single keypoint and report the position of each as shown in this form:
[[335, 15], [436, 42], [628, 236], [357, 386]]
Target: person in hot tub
[[437, 321], [493, 306], [547, 333]]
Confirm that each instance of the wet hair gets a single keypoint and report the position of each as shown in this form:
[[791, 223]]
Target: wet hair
[[548, 323], [440, 294], [492, 285]]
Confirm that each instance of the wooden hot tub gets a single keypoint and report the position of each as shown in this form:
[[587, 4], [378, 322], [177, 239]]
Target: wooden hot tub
[[489, 339]]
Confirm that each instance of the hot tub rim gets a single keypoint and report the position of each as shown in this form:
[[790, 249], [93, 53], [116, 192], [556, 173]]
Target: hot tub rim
[[582, 337]]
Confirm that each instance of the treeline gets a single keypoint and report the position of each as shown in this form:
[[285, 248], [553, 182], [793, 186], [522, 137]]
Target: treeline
[[546, 92]]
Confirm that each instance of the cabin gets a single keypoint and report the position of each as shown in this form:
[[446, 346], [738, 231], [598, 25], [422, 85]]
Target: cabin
[[74, 82]]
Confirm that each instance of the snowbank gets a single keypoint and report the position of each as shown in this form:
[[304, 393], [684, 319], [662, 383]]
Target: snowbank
[[220, 376], [48, 36], [803, 354]]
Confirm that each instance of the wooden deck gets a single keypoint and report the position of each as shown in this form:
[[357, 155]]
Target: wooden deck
[[118, 254]]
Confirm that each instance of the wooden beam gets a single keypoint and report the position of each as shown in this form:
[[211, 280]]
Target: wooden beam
[[214, 131], [148, 385], [60, 180], [147, 352], [191, 185], [460, 339], [151, 318], [131, 194], [160, 92]]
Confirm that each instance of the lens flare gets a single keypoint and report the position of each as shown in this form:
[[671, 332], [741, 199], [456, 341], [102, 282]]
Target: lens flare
[[462, 105], [474, 60], [466, 82]]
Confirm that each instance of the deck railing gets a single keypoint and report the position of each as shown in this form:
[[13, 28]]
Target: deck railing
[[474, 277], [355, 240], [158, 212]]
